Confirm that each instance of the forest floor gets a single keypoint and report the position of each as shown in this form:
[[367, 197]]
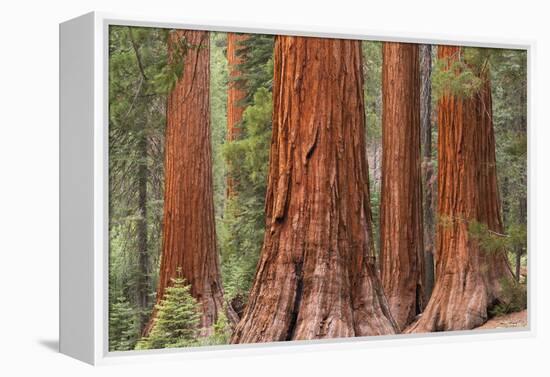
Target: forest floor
[[518, 319]]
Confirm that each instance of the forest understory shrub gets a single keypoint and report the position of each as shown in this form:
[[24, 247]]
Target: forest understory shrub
[[177, 321], [122, 325], [514, 298]]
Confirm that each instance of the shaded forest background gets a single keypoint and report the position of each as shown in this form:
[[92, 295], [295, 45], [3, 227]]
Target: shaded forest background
[[141, 76]]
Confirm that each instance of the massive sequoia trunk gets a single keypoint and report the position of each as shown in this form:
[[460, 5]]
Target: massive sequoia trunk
[[235, 97], [428, 173], [316, 277], [467, 276], [189, 239], [401, 247]]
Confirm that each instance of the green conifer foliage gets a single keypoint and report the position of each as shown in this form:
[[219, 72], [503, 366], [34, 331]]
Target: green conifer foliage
[[122, 325], [136, 159], [177, 323], [256, 54], [244, 220]]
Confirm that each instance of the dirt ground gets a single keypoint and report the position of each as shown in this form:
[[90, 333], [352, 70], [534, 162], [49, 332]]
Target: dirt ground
[[518, 319]]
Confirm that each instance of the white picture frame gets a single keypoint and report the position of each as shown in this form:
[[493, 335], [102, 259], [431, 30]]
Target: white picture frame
[[84, 190]]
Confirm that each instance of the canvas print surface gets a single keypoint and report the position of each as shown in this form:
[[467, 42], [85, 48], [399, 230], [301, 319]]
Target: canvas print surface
[[271, 188]]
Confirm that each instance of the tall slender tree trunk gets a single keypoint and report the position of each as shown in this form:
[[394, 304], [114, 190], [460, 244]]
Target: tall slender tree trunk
[[401, 247], [235, 97], [189, 238], [315, 278], [467, 277], [429, 178], [144, 279], [144, 283]]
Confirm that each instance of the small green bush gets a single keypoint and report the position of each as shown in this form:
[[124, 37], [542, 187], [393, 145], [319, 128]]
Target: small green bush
[[514, 298], [122, 326], [177, 320]]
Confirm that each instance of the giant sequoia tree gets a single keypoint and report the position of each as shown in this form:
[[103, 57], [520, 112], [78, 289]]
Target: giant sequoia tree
[[468, 277], [316, 277], [189, 239], [401, 248]]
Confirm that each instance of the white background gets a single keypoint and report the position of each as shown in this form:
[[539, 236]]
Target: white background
[[29, 184]]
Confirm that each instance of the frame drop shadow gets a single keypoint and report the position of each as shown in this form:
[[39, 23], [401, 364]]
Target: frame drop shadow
[[51, 344]]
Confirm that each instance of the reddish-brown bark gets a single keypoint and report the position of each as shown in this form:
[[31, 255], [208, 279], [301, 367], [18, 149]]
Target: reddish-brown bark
[[316, 278], [189, 238], [235, 96], [401, 231], [235, 93], [467, 277]]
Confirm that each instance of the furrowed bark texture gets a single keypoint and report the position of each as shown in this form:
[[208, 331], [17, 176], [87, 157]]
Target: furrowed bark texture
[[235, 97], [467, 277], [189, 238], [401, 231], [316, 278], [429, 176]]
